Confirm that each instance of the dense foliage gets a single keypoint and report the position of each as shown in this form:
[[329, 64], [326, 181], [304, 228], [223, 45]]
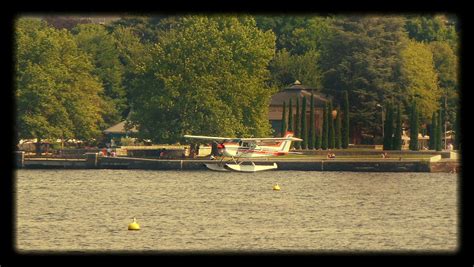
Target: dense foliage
[[171, 75]]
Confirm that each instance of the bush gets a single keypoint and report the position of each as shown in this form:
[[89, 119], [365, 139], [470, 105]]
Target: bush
[[127, 141]]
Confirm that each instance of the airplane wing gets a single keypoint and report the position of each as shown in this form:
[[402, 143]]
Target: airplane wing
[[270, 139], [212, 138], [222, 139]]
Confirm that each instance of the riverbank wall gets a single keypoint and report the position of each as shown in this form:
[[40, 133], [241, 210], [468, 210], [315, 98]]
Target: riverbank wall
[[94, 161]]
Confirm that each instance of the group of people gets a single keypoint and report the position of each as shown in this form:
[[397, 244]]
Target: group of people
[[108, 152]]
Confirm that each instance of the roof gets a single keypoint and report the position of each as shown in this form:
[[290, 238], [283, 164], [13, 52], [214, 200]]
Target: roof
[[293, 93], [119, 128]]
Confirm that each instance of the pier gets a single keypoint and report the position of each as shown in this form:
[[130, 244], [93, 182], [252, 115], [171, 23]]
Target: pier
[[94, 161]]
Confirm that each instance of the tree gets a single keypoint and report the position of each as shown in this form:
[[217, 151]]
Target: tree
[[290, 117], [446, 64], [362, 56], [283, 27], [388, 128], [432, 28], [439, 131], [286, 68], [331, 137], [457, 131], [325, 129], [312, 131], [297, 123], [338, 129], [318, 139], [95, 40], [346, 125], [283, 120], [433, 133], [132, 53], [304, 130], [419, 78], [397, 138], [414, 127], [204, 71], [57, 94]]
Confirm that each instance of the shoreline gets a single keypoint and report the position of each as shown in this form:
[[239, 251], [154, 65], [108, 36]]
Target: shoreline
[[93, 161]]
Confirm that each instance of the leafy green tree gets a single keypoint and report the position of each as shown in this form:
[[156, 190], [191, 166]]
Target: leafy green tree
[[102, 47], [362, 56], [57, 94], [283, 120], [148, 28], [414, 121], [304, 129], [132, 53], [446, 64], [283, 27], [419, 77], [346, 125], [204, 71], [430, 28], [312, 130], [397, 138], [286, 68]]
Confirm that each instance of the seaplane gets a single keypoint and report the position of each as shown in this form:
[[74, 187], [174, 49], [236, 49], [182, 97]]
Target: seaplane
[[240, 150]]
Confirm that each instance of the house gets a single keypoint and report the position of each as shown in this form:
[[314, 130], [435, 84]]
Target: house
[[117, 131], [296, 90]]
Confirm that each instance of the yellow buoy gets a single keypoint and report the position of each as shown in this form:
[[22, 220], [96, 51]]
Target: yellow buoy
[[276, 187], [134, 225]]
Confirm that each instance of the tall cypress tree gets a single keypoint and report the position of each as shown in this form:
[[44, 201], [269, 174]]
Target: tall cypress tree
[[388, 128], [283, 120], [439, 131], [332, 139], [325, 130], [297, 123], [311, 133], [318, 138], [414, 128], [338, 129], [397, 138], [290, 117], [433, 135], [304, 130], [443, 117], [345, 125]]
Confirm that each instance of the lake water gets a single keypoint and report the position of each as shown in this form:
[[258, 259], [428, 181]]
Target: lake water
[[189, 211]]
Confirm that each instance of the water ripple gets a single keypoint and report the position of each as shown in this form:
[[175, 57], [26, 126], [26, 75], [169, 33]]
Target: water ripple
[[89, 210]]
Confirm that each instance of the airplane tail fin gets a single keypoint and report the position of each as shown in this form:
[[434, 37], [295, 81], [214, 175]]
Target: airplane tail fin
[[286, 144]]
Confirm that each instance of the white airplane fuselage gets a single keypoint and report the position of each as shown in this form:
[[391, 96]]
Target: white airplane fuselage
[[255, 151]]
